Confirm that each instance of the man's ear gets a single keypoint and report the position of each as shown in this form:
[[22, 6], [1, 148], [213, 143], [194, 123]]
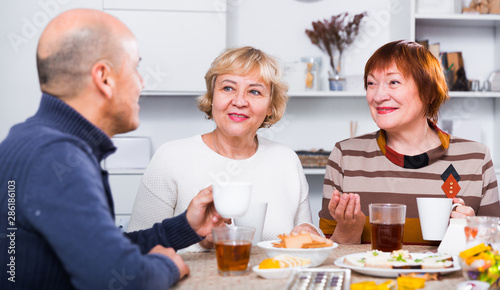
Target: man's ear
[[103, 79]]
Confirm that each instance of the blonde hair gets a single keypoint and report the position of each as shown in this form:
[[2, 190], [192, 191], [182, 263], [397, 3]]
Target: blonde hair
[[243, 61]]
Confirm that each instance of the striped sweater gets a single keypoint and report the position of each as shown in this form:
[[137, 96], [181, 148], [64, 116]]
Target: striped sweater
[[358, 165]]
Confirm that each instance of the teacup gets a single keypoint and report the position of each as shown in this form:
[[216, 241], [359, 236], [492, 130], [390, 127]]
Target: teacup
[[434, 215], [232, 199]]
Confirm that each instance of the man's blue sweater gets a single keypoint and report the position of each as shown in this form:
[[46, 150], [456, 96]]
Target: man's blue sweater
[[57, 227]]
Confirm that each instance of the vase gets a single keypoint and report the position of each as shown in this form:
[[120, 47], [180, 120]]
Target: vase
[[336, 84], [337, 81]]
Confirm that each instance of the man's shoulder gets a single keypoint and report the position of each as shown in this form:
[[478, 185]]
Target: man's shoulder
[[32, 137], [34, 129]]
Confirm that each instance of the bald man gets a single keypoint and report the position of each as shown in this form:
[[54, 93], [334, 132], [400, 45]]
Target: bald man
[[55, 202]]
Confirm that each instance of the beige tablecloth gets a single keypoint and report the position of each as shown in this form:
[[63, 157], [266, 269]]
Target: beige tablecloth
[[204, 274]]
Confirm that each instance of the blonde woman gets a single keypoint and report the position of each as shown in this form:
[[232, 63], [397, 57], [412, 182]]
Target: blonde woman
[[244, 93]]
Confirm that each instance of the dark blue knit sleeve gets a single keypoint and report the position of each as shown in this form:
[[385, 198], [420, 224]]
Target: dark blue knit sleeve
[[173, 232]]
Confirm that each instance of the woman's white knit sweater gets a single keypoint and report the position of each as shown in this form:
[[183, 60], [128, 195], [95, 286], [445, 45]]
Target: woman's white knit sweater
[[182, 168]]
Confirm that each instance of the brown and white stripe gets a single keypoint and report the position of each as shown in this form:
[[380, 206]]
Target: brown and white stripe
[[358, 165]]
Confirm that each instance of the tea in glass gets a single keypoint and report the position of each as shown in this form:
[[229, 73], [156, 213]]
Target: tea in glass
[[232, 256], [232, 249], [387, 222], [387, 237]]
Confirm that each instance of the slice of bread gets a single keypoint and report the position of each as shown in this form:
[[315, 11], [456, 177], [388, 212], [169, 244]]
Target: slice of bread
[[437, 261], [296, 241], [304, 240]]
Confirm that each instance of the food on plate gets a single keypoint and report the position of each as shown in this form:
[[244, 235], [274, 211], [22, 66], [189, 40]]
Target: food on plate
[[302, 240], [284, 261], [369, 285], [400, 259], [469, 253], [425, 276], [482, 263], [410, 283]]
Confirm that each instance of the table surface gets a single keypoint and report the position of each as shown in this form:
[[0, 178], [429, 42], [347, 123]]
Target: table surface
[[204, 274]]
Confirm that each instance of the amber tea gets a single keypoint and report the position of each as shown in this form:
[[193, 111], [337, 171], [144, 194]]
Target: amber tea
[[232, 249], [387, 222], [387, 237], [232, 255]]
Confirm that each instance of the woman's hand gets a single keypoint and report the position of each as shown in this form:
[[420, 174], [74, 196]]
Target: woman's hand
[[305, 227], [462, 211], [345, 208]]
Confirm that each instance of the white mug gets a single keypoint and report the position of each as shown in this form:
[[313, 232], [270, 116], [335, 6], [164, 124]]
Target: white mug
[[232, 199], [255, 217], [434, 214]]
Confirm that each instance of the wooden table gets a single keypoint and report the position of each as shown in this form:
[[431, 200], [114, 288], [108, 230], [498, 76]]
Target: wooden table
[[204, 274]]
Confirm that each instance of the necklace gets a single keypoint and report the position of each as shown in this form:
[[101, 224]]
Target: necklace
[[217, 148], [215, 145]]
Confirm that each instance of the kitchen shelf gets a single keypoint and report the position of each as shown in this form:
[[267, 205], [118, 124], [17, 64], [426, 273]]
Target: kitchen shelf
[[307, 171], [314, 171], [476, 20], [469, 94], [172, 93], [302, 94], [326, 94], [362, 94]]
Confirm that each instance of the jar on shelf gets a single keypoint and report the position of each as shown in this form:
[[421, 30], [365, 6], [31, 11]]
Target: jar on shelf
[[313, 66]]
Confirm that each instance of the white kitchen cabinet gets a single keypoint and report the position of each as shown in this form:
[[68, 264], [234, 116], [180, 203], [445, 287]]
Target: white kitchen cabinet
[[124, 185], [186, 5], [177, 44]]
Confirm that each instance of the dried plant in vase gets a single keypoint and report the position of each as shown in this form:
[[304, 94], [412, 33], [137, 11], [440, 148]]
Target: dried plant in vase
[[334, 35]]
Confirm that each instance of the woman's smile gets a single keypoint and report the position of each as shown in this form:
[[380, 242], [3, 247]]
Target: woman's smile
[[385, 110], [237, 117]]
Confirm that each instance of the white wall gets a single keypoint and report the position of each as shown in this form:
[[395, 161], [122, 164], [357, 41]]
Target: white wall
[[278, 27], [21, 23], [279, 30]]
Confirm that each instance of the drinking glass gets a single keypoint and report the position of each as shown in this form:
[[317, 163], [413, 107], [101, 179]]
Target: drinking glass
[[387, 222], [232, 249]]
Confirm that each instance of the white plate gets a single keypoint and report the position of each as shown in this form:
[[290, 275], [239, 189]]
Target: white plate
[[273, 273], [393, 273], [317, 255]]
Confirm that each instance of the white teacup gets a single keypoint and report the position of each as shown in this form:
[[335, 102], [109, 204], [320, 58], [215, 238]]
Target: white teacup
[[434, 214], [232, 199], [255, 217]]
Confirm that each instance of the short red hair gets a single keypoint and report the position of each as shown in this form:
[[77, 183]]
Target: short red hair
[[414, 60]]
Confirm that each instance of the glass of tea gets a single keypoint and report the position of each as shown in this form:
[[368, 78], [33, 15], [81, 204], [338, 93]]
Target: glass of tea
[[232, 249], [387, 222], [481, 229]]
